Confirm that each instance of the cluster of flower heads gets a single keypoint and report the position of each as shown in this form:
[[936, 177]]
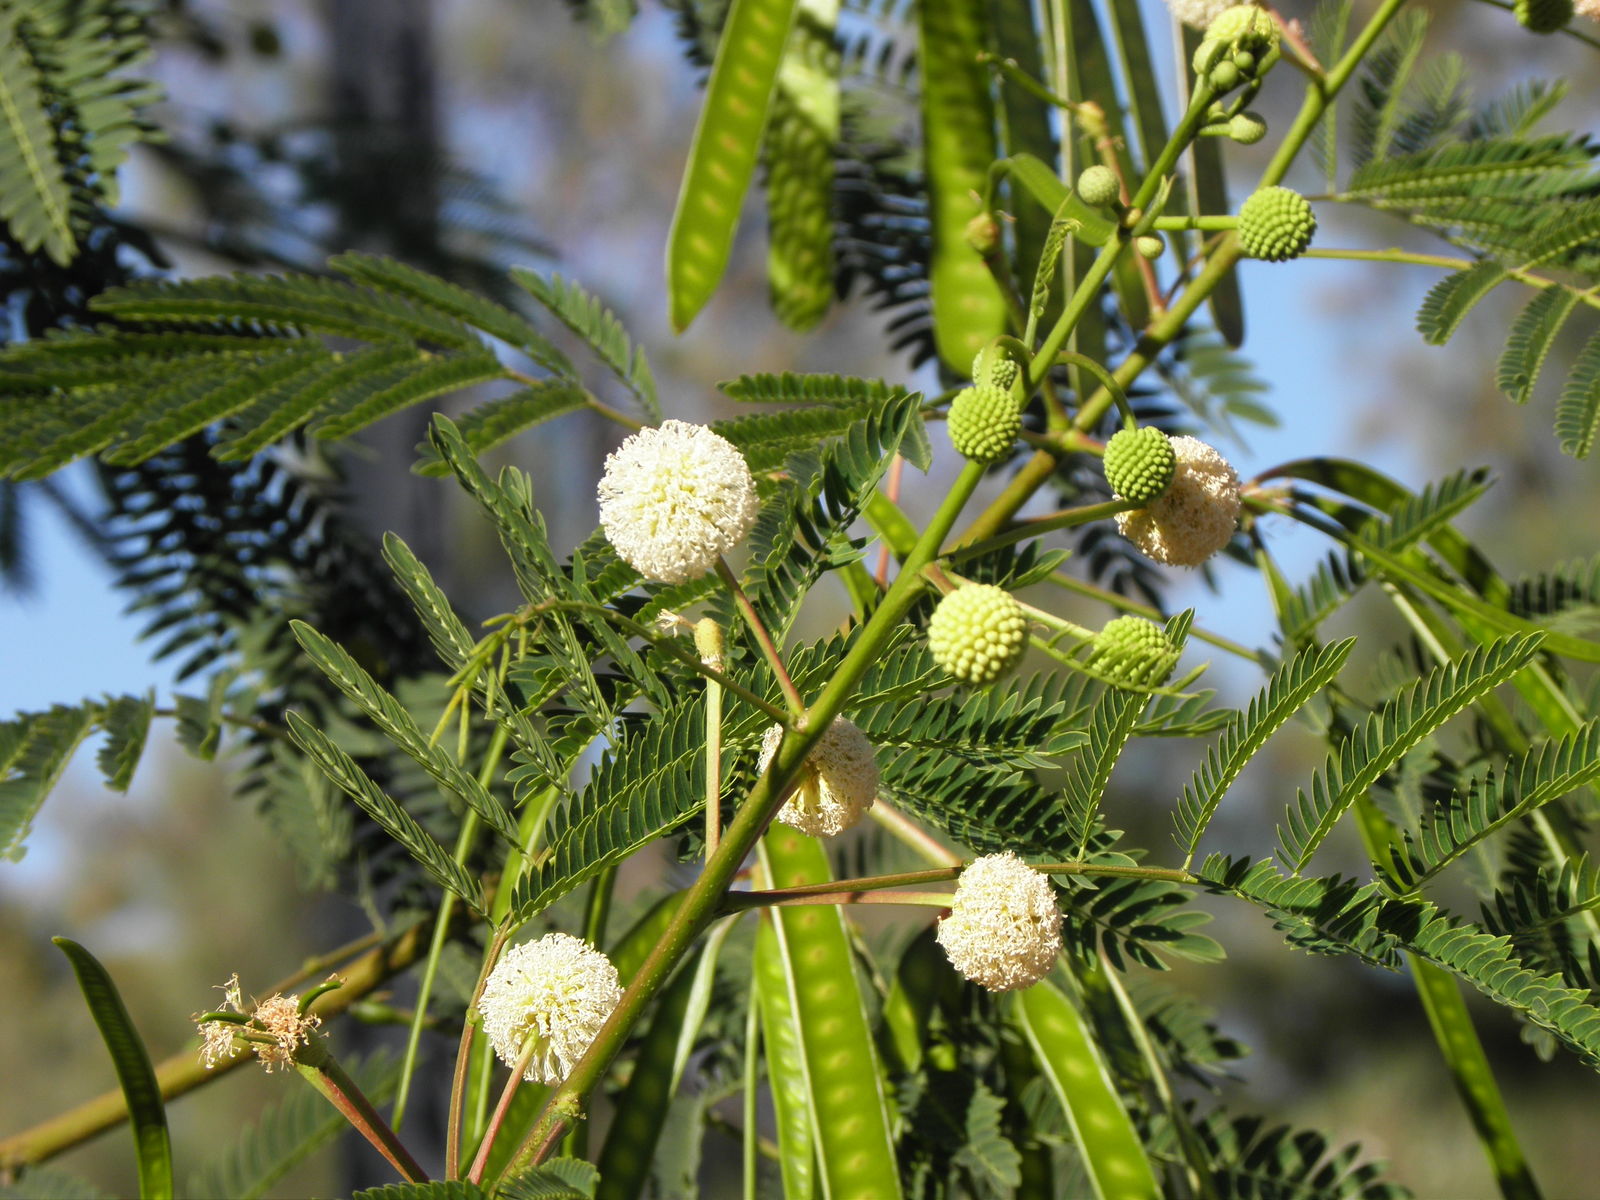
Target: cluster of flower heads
[[277, 1017], [675, 499], [546, 1000], [1004, 929], [1195, 517], [838, 780]]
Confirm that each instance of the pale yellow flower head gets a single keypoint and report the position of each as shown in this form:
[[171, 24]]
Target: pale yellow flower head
[[838, 781], [553, 994], [675, 499], [1198, 14], [1195, 517], [1004, 930]]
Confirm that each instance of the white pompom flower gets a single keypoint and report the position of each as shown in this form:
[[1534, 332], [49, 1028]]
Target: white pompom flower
[[1198, 14], [838, 781], [557, 992], [1004, 929], [676, 498], [1587, 8], [1195, 517]]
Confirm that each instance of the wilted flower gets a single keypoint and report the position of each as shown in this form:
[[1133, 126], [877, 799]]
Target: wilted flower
[[1198, 14], [675, 499], [838, 781], [1004, 930], [278, 1017], [1195, 517], [555, 992]]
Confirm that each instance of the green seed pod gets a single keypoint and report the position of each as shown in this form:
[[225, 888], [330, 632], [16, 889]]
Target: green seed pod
[[1247, 128], [1276, 224], [977, 633], [1098, 186], [1133, 652], [1543, 16], [1139, 463], [984, 423], [1149, 246]]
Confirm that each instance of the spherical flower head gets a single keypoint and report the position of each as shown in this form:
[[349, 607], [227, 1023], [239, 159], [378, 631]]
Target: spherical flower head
[[1276, 224], [838, 781], [984, 423], [1543, 16], [1587, 8], [554, 993], [1139, 464], [1198, 14], [1149, 245], [977, 633], [1098, 186], [675, 499], [1004, 930], [1133, 652], [1196, 515]]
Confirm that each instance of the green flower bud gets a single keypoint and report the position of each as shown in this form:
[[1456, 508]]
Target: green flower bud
[[983, 234], [1225, 77], [1241, 43], [977, 633], [1247, 128], [1543, 16], [1149, 245], [1133, 652], [1098, 186], [984, 423], [1139, 463], [1276, 224]]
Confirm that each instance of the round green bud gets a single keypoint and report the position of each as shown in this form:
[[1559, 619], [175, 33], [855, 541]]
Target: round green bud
[[1245, 61], [984, 423], [1244, 26], [1247, 128], [1543, 16], [977, 633], [1276, 224], [1149, 246], [1133, 652], [1098, 186], [1225, 76], [1139, 463]]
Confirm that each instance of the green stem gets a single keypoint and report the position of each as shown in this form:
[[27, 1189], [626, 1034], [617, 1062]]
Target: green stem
[[751, 1134], [758, 630], [1215, 224], [458, 1085], [1124, 604], [701, 904]]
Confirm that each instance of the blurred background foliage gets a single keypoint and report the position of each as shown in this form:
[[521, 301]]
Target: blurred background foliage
[[466, 135]]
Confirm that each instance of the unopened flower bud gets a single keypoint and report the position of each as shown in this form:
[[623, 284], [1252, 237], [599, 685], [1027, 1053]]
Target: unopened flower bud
[[1276, 224], [977, 632], [1098, 186], [1195, 517], [1543, 16], [984, 422], [1133, 652], [1139, 463], [983, 234]]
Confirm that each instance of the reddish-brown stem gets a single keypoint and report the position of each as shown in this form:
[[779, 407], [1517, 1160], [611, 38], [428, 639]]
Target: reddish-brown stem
[[458, 1084], [769, 648], [518, 1070]]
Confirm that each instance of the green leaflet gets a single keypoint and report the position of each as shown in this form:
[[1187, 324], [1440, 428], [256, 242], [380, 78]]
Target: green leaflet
[[844, 1079], [1290, 687], [34, 750], [1388, 733], [1450, 300], [33, 188], [722, 157], [588, 317], [958, 145], [146, 1111], [401, 728], [126, 721], [1530, 339], [395, 821], [496, 421], [800, 139], [1069, 1054], [1578, 410]]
